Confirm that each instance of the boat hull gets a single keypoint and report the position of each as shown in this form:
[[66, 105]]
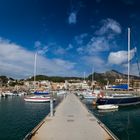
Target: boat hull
[[119, 101], [37, 99]]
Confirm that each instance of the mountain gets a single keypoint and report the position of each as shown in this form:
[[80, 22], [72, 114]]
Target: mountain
[[117, 74], [99, 77], [111, 76], [53, 78], [102, 78]]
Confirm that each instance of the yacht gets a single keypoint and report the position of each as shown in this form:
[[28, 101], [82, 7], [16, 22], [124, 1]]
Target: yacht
[[119, 99]]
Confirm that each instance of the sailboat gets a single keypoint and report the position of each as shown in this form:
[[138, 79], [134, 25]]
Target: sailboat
[[93, 93], [39, 96], [121, 99]]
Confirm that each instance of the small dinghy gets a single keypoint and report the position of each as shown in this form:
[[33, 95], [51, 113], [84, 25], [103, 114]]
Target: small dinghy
[[107, 106]]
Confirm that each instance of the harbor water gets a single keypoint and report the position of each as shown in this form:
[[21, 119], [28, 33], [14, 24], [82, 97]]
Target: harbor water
[[17, 117], [123, 122]]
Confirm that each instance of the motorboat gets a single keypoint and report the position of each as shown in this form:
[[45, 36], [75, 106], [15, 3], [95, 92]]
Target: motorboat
[[107, 107], [39, 98]]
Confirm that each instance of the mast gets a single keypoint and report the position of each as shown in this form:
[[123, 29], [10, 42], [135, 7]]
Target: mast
[[128, 57], [35, 70], [92, 77]]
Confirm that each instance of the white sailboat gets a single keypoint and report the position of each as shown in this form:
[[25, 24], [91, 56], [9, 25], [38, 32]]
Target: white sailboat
[[93, 93], [36, 98], [121, 100]]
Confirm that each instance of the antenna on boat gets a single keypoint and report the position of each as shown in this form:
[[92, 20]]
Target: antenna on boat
[[128, 56], [35, 57]]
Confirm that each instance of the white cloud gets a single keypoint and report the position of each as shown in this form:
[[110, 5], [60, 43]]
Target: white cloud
[[70, 46], [117, 57], [43, 51], [80, 50], [134, 69], [109, 25], [80, 38], [62, 63], [97, 62], [17, 62], [94, 60], [59, 51], [54, 49], [41, 48], [97, 44], [72, 19], [120, 57], [94, 52], [102, 40], [37, 44]]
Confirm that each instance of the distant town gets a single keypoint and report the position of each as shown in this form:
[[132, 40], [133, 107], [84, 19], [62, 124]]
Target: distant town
[[95, 80]]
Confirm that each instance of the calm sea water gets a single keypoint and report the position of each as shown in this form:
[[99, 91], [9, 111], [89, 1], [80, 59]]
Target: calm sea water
[[18, 117], [124, 123]]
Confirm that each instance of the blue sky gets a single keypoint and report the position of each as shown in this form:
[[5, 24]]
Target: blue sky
[[70, 36]]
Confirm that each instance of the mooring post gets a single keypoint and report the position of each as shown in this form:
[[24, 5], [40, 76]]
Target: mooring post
[[51, 107]]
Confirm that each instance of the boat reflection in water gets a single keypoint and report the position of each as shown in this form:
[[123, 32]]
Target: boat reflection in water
[[108, 110], [107, 107]]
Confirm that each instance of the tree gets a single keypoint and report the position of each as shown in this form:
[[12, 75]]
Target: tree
[[3, 80]]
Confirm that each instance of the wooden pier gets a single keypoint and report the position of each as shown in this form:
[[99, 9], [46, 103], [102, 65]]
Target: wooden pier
[[71, 121]]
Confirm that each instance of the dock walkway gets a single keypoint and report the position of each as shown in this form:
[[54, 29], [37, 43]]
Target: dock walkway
[[72, 121]]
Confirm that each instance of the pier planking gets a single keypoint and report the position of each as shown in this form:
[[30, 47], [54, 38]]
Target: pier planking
[[72, 121]]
